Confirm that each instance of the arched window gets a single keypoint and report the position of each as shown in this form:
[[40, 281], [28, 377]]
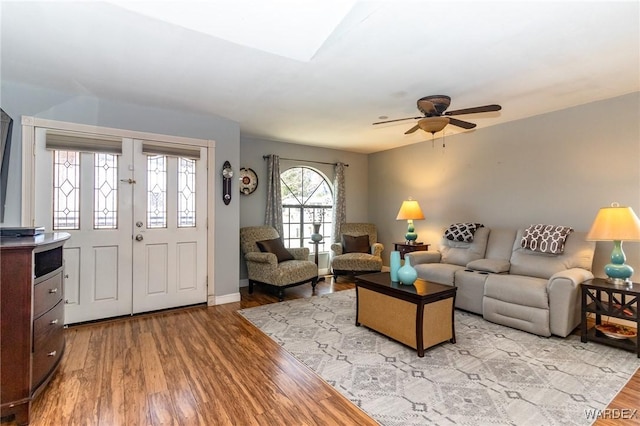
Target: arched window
[[306, 199]]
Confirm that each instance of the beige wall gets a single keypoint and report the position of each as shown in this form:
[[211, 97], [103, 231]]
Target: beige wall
[[557, 168]]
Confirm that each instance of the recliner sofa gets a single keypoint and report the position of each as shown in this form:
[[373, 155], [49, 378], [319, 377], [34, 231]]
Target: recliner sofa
[[510, 285]]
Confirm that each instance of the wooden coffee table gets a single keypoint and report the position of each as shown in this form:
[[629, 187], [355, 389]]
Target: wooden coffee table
[[418, 315]]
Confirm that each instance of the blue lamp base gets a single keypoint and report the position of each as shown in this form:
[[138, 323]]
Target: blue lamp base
[[410, 236], [618, 272]]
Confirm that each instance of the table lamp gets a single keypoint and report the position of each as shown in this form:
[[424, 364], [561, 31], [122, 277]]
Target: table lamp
[[616, 223], [410, 211]]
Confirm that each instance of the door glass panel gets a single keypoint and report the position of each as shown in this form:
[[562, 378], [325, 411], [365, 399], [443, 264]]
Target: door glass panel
[[105, 213], [186, 193], [66, 190], [156, 191]]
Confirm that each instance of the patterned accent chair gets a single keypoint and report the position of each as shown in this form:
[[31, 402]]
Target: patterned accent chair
[[344, 262], [264, 268]]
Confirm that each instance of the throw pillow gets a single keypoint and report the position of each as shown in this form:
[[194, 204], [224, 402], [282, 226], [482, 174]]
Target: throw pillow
[[462, 231], [275, 246], [545, 238], [355, 244]]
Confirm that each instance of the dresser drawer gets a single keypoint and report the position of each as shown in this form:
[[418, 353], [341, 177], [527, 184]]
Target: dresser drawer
[[47, 325], [47, 293], [48, 342]]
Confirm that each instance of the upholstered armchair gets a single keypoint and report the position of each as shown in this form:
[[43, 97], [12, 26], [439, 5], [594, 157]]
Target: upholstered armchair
[[358, 252], [271, 264]]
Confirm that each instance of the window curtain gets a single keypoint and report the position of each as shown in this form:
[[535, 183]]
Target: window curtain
[[273, 215], [339, 202]]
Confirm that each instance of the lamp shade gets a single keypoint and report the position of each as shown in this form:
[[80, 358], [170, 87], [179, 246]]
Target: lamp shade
[[410, 209], [615, 223]]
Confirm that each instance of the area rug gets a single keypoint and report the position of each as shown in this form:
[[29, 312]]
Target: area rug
[[492, 375]]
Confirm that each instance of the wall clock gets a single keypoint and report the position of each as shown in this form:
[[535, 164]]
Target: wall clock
[[227, 174], [248, 181]]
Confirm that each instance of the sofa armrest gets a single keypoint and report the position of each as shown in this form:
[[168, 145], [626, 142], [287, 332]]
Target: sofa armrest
[[336, 248], [563, 289], [418, 257], [299, 253], [260, 257], [376, 249]]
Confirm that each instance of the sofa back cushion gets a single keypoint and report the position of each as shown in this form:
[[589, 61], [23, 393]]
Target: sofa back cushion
[[460, 253], [500, 244], [578, 253]]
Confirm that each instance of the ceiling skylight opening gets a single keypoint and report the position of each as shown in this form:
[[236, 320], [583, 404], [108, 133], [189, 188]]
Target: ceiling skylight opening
[[289, 28]]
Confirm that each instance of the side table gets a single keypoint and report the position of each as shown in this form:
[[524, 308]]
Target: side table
[[405, 248], [315, 256], [606, 299]]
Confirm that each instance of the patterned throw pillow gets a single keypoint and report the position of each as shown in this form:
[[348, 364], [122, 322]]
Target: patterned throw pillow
[[545, 238], [462, 232], [275, 246]]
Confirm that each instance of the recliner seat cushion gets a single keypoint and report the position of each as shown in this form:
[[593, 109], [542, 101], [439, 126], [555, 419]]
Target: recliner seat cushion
[[518, 289]]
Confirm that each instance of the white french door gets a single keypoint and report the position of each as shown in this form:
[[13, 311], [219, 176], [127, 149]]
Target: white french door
[[169, 255], [132, 249]]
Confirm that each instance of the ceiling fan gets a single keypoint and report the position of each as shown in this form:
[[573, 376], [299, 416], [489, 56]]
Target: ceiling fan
[[436, 117]]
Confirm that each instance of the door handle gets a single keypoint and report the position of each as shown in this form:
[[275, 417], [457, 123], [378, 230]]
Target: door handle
[[139, 237], [129, 181]]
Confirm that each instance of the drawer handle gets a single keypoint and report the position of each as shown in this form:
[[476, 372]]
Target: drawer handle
[[52, 353], [53, 322], [53, 290]]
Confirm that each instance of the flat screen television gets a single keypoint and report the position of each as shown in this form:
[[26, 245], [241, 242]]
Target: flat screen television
[[5, 150]]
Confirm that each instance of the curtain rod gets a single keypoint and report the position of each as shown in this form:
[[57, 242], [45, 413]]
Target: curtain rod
[[307, 161]]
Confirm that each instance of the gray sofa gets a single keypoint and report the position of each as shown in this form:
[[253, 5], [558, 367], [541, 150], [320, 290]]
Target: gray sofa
[[510, 285]]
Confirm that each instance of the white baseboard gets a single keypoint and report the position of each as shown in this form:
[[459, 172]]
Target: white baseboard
[[221, 300]]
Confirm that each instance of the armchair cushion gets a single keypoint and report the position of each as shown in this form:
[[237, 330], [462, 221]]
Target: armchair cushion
[[358, 251], [355, 244], [276, 247]]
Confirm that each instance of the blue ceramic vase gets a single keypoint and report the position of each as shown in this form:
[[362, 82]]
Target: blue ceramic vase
[[407, 274], [394, 265]]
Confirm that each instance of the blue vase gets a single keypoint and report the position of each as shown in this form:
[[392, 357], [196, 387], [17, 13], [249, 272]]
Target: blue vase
[[407, 274], [394, 265]]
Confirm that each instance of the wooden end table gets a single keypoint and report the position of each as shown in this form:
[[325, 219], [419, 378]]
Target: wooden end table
[[405, 248], [418, 315], [603, 298]]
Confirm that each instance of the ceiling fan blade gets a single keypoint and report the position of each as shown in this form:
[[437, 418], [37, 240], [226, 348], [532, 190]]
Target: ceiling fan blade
[[427, 107], [397, 119], [485, 108], [411, 130], [460, 123]]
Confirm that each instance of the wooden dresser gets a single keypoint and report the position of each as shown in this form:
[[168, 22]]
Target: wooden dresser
[[32, 318]]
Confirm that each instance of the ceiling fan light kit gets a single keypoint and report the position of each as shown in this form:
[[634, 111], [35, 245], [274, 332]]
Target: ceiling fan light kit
[[433, 124], [436, 117]]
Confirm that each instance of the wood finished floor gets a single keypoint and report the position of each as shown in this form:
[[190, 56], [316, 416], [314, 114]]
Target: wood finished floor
[[202, 366]]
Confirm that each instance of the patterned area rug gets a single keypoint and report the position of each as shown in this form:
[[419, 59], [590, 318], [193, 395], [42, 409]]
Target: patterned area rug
[[492, 375]]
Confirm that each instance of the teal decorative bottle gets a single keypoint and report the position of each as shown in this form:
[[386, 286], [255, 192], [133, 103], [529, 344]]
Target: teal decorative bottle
[[394, 265], [407, 274]]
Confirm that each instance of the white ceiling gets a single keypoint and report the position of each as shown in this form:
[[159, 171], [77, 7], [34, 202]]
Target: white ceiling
[[320, 72]]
